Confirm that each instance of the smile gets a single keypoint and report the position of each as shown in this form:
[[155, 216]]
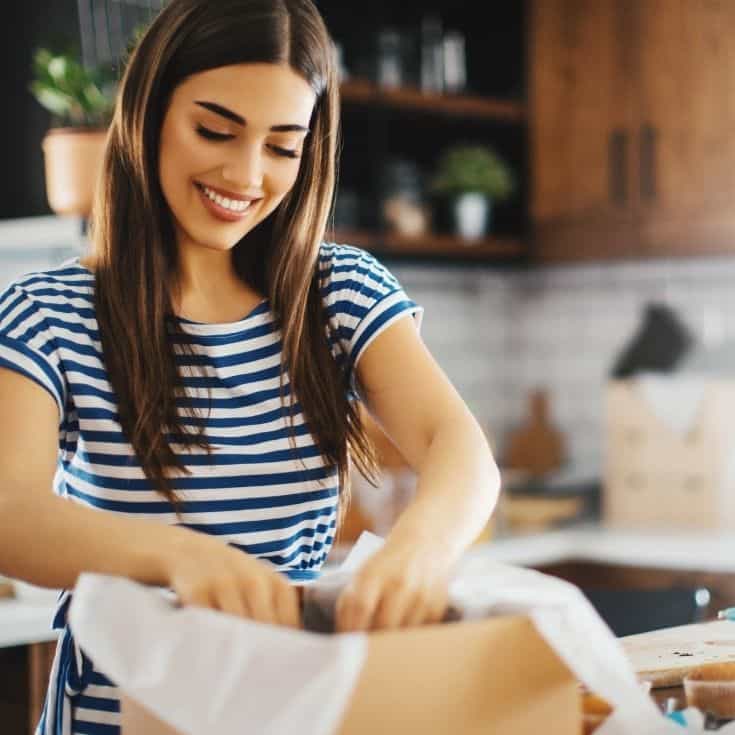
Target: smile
[[226, 208]]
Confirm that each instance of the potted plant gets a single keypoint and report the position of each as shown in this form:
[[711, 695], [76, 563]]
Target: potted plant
[[472, 177], [80, 101]]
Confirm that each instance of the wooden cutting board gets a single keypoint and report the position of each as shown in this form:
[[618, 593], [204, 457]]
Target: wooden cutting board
[[664, 657]]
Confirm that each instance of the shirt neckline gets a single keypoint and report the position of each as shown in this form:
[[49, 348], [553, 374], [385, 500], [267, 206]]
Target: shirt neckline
[[207, 327]]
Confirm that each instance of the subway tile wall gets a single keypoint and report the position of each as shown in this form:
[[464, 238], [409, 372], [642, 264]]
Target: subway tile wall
[[500, 334]]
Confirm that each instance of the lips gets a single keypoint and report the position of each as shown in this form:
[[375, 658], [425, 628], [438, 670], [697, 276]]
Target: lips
[[228, 194], [221, 211]]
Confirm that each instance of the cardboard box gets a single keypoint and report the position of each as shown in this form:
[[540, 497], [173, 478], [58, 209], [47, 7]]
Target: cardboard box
[[654, 476], [470, 678]]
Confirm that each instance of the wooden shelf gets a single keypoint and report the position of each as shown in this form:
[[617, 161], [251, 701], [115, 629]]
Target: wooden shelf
[[366, 92], [433, 245]]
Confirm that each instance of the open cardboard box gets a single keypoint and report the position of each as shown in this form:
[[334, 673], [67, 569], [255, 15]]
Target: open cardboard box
[[483, 676]]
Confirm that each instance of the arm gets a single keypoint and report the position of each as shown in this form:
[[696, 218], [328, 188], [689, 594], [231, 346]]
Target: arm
[[49, 541], [458, 480]]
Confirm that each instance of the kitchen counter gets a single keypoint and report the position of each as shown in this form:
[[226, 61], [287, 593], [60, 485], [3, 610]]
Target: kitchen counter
[[702, 551], [29, 621], [23, 622]]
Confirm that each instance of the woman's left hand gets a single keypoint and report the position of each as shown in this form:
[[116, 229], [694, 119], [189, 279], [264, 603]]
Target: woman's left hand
[[395, 588]]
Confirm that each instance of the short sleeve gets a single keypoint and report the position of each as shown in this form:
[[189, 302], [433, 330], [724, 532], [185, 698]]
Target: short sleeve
[[27, 345], [361, 298]]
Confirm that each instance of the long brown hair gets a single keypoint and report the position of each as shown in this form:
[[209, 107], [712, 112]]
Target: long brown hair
[[135, 246]]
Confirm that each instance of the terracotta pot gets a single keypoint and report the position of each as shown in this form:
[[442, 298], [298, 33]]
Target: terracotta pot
[[72, 161]]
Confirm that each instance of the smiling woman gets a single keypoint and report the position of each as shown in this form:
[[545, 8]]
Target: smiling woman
[[193, 386], [223, 157]]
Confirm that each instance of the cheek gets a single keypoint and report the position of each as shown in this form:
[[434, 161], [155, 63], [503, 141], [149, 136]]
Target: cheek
[[179, 160], [284, 177]]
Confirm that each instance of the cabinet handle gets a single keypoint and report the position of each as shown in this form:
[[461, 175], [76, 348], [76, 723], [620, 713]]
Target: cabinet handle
[[618, 156], [648, 163]]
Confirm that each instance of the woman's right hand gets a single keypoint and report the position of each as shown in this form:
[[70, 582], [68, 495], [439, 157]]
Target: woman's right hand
[[205, 571]]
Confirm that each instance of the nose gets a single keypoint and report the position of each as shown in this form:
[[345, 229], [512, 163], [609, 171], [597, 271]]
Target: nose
[[245, 170]]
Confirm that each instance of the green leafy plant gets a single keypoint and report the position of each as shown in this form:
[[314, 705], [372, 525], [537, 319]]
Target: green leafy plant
[[74, 95], [466, 168]]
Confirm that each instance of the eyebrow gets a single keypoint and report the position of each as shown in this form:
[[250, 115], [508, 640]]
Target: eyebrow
[[230, 115]]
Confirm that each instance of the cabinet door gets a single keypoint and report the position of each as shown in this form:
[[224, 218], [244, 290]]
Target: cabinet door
[[686, 136], [582, 99]]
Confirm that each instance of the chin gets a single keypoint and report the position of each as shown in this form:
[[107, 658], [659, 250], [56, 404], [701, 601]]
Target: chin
[[220, 241]]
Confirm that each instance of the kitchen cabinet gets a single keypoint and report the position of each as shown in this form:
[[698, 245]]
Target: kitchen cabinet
[[582, 115], [24, 676], [686, 123], [632, 153], [595, 575]]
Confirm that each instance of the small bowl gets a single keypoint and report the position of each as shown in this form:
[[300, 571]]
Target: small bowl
[[711, 688]]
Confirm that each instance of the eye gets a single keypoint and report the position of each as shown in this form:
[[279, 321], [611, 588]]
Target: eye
[[286, 152], [211, 135]]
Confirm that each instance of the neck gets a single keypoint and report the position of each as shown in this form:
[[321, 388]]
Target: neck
[[204, 273], [208, 288]]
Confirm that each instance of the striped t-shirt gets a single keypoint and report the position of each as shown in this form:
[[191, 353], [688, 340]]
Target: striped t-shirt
[[253, 491]]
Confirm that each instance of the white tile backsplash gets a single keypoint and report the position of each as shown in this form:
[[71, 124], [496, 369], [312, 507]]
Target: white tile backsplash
[[562, 328]]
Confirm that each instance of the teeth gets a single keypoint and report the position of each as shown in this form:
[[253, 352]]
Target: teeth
[[232, 204]]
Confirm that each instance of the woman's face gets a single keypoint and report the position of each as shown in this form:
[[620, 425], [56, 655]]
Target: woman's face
[[230, 149]]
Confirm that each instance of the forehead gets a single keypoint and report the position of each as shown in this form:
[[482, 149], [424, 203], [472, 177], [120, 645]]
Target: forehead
[[264, 94]]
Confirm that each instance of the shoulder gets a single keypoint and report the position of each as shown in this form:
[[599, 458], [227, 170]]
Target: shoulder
[[348, 267], [335, 256], [40, 302], [51, 288]]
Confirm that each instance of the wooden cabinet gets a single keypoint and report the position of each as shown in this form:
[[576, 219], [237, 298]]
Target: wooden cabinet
[[632, 152], [582, 116], [24, 675], [686, 123]]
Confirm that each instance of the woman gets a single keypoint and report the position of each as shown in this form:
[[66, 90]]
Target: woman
[[191, 386]]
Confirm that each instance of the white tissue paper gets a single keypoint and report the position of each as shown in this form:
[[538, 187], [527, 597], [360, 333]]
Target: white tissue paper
[[280, 681]]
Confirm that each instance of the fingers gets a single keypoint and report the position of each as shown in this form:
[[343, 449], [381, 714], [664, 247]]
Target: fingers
[[259, 595], [397, 608], [356, 607], [428, 609], [364, 607], [286, 605], [228, 599], [198, 596]]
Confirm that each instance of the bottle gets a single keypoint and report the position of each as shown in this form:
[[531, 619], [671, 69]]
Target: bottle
[[455, 69], [432, 55], [390, 67]]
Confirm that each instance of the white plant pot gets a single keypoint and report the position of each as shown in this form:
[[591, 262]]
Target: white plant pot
[[472, 215]]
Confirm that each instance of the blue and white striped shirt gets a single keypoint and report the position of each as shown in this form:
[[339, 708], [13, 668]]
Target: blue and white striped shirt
[[254, 491]]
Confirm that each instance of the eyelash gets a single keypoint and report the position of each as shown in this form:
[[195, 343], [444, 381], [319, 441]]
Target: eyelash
[[208, 134]]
